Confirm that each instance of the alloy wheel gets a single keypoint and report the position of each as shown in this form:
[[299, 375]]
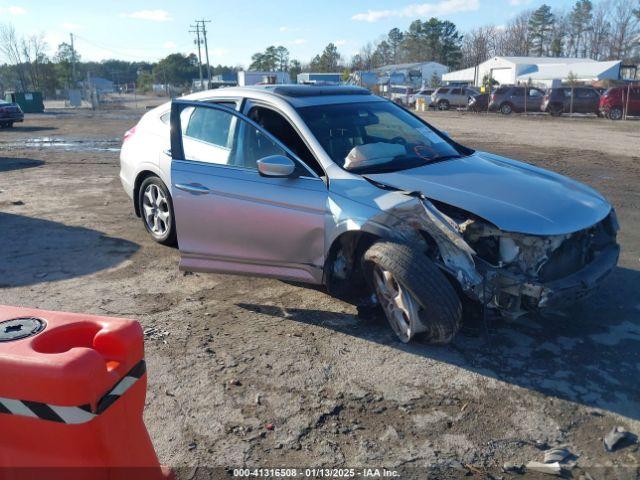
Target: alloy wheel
[[157, 215], [399, 305]]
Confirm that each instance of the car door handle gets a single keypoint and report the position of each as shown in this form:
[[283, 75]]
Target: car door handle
[[193, 188]]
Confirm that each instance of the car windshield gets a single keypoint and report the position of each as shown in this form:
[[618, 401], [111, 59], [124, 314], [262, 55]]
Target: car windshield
[[375, 137]]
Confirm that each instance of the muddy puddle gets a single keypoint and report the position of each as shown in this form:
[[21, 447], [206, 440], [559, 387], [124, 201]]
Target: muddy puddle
[[66, 144]]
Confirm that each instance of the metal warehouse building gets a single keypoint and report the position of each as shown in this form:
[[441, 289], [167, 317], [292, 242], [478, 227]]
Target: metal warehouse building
[[538, 70]]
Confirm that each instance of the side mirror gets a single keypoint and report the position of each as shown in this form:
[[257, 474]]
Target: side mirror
[[277, 166]]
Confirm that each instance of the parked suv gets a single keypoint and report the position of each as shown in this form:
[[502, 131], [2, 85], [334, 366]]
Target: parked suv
[[402, 94], [424, 94], [446, 97], [509, 99], [9, 114], [558, 100], [614, 102]]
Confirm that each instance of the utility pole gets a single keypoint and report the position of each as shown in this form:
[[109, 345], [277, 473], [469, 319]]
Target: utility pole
[[197, 32], [73, 63], [206, 49]]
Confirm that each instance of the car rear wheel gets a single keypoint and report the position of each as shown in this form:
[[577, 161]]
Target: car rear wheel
[[556, 110], [414, 294], [444, 105], [615, 113], [506, 109], [156, 210]]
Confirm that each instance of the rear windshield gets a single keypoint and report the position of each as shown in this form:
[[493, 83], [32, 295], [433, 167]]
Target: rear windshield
[[372, 137]]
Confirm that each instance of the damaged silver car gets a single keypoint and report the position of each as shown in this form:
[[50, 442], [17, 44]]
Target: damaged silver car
[[336, 186]]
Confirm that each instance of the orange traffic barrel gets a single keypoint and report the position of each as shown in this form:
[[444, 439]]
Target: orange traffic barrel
[[72, 393]]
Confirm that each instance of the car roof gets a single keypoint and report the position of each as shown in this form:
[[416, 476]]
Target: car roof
[[296, 95]]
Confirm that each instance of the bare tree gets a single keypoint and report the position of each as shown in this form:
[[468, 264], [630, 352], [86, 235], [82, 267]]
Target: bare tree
[[516, 36], [11, 51], [625, 29], [479, 45], [599, 31]]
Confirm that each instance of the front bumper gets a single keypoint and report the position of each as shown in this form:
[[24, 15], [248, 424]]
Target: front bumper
[[566, 291], [513, 295], [12, 118]]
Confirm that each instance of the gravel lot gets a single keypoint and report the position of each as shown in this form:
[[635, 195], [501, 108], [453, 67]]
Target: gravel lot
[[229, 355]]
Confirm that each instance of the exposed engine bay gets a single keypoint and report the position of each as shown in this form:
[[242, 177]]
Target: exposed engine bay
[[519, 272]]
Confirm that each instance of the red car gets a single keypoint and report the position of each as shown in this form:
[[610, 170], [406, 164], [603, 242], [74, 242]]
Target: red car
[[614, 101]]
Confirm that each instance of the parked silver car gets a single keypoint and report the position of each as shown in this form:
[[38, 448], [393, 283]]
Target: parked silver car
[[446, 97], [336, 186]]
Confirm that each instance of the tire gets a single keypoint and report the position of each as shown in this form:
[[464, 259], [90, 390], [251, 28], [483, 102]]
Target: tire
[[156, 206], [439, 311], [506, 109], [4, 124], [615, 113], [9, 124], [556, 110], [444, 105]]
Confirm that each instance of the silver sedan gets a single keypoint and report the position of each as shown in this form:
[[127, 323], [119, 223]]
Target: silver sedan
[[336, 186]]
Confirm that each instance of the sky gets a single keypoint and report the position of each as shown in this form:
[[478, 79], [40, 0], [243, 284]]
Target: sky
[[151, 29]]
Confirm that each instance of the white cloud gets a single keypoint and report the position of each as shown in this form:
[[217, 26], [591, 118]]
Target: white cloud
[[298, 41], [13, 10], [169, 45], [339, 43], [443, 7], [518, 3], [152, 15]]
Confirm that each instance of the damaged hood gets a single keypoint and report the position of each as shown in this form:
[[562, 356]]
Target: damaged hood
[[514, 196]]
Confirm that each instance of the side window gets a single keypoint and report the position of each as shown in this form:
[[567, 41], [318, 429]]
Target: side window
[[218, 136], [518, 92], [443, 90], [279, 127], [585, 93], [534, 92], [210, 126], [456, 91]]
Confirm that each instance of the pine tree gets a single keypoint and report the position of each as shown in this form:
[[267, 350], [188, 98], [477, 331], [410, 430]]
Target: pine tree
[[540, 25], [580, 20]]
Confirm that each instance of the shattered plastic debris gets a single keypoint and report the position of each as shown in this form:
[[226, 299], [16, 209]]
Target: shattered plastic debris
[[510, 467], [556, 455], [549, 468], [617, 435]]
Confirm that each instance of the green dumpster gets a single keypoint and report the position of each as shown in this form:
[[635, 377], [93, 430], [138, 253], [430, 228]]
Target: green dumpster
[[30, 102]]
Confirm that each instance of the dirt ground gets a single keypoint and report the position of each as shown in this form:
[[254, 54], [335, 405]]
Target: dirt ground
[[228, 355]]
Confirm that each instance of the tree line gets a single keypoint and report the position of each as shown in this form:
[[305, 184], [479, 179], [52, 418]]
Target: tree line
[[608, 29]]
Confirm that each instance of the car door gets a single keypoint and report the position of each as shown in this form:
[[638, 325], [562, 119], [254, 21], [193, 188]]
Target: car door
[[456, 96], [230, 218], [534, 99], [634, 101]]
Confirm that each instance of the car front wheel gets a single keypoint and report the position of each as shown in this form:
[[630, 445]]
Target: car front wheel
[[443, 105], [156, 210], [615, 113], [416, 297]]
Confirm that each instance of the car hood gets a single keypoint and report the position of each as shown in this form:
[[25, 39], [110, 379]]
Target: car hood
[[514, 196]]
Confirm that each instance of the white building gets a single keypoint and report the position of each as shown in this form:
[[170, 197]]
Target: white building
[[262, 78], [417, 74], [543, 71]]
